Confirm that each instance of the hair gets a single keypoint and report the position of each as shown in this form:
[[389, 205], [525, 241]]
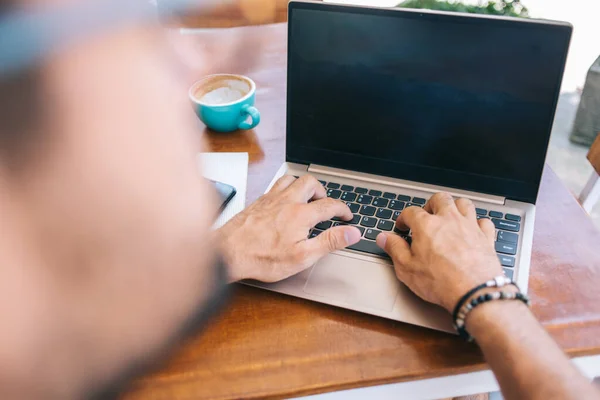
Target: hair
[[20, 100]]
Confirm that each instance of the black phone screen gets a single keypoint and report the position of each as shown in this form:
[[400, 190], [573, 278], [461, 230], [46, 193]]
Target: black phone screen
[[226, 193]]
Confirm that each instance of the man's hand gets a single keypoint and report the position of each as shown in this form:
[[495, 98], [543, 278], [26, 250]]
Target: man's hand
[[268, 241], [451, 250]]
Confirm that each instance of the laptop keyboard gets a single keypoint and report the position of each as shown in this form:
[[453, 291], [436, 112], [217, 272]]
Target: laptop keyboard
[[376, 211]]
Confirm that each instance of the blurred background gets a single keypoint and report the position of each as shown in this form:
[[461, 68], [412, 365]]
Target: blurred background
[[570, 140]]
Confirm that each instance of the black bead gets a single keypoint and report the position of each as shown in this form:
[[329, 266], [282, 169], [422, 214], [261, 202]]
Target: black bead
[[474, 302], [481, 299], [488, 297], [519, 296]]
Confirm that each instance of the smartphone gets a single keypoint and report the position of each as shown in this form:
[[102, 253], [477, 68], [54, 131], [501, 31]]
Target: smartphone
[[226, 193]]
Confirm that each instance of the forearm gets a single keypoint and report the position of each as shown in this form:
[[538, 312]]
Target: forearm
[[526, 361]]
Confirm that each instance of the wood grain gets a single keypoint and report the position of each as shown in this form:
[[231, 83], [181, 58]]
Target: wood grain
[[594, 154], [239, 13], [267, 345]]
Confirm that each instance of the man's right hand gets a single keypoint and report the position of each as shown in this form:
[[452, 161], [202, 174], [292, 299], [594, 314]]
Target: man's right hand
[[451, 250]]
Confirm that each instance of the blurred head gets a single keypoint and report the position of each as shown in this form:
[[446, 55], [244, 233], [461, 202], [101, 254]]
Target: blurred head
[[100, 185]]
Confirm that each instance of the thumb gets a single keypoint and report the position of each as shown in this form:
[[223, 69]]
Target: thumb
[[332, 239], [396, 247]]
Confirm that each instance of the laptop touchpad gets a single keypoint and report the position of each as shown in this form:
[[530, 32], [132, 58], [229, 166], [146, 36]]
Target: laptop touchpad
[[353, 281]]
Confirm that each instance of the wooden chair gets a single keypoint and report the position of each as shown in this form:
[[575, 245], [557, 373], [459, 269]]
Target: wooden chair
[[591, 193]]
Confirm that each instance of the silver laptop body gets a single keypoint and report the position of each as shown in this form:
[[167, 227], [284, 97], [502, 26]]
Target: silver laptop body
[[365, 282]]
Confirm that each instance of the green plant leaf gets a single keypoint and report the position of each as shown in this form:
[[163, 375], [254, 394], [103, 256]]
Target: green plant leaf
[[512, 8]]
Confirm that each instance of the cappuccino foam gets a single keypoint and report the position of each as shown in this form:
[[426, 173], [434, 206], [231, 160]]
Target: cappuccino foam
[[232, 91]]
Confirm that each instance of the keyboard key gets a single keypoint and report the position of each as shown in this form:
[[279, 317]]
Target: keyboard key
[[506, 261], [347, 188], [398, 231], [323, 183], [413, 205], [483, 217], [396, 205], [396, 215], [389, 195], [361, 229], [333, 193], [355, 219], [364, 199], [508, 237], [314, 233], [349, 196], [506, 248], [380, 202], [507, 225], [375, 193], [404, 198], [512, 217], [368, 210], [353, 207], [509, 273], [332, 185], [419, 200], [367, 246], [481, 211], [385, 225], [372, 234], [369, 222], [496, 214], [407, 238], [384, 213], [340, 223], [323, 225], [360, 190]]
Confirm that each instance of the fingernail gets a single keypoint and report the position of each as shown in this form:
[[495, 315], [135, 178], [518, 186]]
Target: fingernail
[[352, 235], [381, 240]]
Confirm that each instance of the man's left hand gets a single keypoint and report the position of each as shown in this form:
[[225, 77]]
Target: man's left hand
[[269, 240]]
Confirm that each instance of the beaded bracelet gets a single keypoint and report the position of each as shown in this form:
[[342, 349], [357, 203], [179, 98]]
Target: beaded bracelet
[[498, 282], [459, 323]]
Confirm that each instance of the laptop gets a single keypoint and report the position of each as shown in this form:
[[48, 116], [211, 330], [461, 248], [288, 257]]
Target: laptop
[[388, 106]]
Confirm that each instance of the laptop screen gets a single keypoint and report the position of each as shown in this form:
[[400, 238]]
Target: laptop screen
[[462, 102]]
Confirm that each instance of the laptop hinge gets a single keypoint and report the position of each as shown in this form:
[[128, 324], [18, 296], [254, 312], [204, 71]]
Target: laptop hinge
[[424, 187]]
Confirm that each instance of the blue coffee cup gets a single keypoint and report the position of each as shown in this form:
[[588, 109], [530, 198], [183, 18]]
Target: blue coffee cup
[[225, 102]]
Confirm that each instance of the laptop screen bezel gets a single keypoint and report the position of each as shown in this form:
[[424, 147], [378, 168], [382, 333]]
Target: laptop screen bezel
[[510, 189]]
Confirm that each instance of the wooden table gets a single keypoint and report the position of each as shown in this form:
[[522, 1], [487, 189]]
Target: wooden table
[[266, 345]]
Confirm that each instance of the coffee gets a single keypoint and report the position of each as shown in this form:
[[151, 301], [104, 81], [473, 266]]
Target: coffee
[[225, 102], [222, 90]]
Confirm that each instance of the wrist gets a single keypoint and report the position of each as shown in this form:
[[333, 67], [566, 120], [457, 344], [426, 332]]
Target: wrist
[[228, 253], [485, 316], [487, 269]]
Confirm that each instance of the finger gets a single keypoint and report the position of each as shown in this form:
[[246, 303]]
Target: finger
[[306, 188], [282, 183], [488, 228], [325, 209], [332, 239], [440, 203], [409, 217], [466, 208], [395, 246]]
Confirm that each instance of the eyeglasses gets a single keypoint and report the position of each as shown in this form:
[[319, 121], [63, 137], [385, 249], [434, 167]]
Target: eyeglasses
[[28, 35]]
